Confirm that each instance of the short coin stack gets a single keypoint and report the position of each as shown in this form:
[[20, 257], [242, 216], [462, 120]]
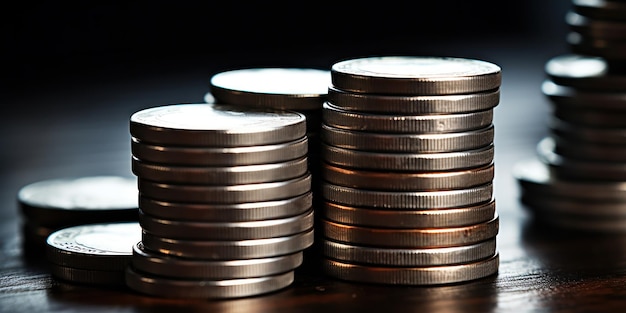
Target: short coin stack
[[225, 200], [408, 170], [578, 180]]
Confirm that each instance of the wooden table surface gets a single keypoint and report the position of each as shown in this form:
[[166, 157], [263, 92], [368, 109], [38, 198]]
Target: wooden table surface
[[78, 126]]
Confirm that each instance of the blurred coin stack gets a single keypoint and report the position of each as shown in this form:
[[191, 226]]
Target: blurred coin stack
[[225, 201], [577, 180], [408, 168], [50, 205]]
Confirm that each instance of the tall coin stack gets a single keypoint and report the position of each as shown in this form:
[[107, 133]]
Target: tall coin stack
[[577, 181], [408, 170], [225, 201]]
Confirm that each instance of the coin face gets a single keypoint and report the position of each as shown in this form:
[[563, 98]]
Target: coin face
[[415, 75], [287, 81]]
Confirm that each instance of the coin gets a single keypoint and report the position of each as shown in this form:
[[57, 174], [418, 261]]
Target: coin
[[219, 156], [229, 249], [407, 180], [555, 204], [216, 125], [444, 161], [412, 257], [183, 268], [410, 200], [577, 149], [411, 237], [414, 104], [70, 201], [88, 277], [427, 275], [600, 9], [595, 28], [205, 289], [587, 134], [608, 49], [279, 88], [589, 117], [584, 72], [102, 247], [228, 193], [235, 212], [415, 75], [394, 123], [409, 142], [576, 98], [220, 175], [426, 218], [194, 230]]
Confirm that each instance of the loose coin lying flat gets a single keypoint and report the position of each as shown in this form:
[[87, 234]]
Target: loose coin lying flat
[[234, 212], [205, 289], [219, 156], [407, 180], [429, 275], [279, 88], [443, 161], [410, 200], [415, 75], [389, 218], [437, 142], [194, 230], [414, 104], [394, 123], [175, 267], [216, 125], [79, 200], [227, 193], [411, 238], [104, 247], [228, 249], [408, 256]]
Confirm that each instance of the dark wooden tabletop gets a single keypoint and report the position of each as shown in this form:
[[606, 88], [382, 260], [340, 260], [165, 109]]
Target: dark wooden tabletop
[[78, 126]]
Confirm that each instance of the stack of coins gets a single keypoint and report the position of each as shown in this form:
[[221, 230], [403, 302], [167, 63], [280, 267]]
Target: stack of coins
[[225, 201], [408, 170], [93, 254], [577, 181], [49, 205]]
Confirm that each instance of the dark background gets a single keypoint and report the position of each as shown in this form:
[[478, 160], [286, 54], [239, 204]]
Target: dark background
[[45, 41]]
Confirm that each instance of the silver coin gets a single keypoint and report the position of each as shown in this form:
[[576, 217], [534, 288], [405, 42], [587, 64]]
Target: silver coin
[[194, 230], [414, 124], [407, 180], [592, 208], [536, 177], [228, 193], [427, 275], [411, 104], [205, 289], [444, 161], [229, 249], [216, 125], [410, 237], [595, 28], [576, 98], [389, 218], [415, 75], [609, 49], [439, 142], [103, 247], [409, 200], [584, 72], [600, 9], [576, 149], [219, 156], [234, 212], [568, 168], [279, 88], [175, 267], [88, 277], [79, 200], [409, 257], [220, 175], [588, 134]]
